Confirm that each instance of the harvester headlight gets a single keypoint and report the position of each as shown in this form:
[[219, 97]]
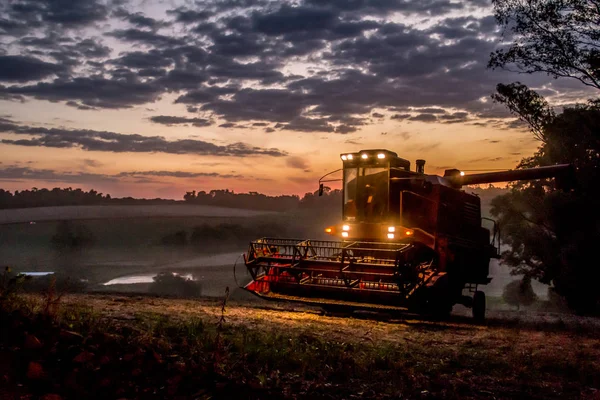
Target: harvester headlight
[[344, 157], [380, 155], [364, 156], [391, 229], [344, 234], [345, 227], [350, 157], [462, 173], [390, 235]]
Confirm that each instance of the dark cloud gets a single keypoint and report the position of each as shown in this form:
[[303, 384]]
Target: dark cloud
[[95, 91], [78, 106], [140, 20], [143, 59], [172, 120], [430, 110], [455, 117], [297, 162], [302, 124], [149, 38], [294, 19], [23, 69], [66, 13], [230, 59], [343, 129], [119, 143], [424, 118], [12, 173], [88, 162], [383, 7], [186, 15], [177, 174]]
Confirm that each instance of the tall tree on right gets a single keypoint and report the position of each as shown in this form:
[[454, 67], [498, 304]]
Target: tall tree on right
[[558, 37], [553, 234]]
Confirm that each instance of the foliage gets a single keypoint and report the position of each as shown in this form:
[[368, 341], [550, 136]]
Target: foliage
[[552, 233], [66, 197], [72, 236], [519, 293], [10, 283], [170, 284], [558, 37], [527, 104], [59, 282], [258, 201], [251, 200]]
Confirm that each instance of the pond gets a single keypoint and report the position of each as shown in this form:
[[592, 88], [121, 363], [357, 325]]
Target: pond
[[140, 278]]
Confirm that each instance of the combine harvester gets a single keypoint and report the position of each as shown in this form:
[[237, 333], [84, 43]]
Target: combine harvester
[[408, 241]]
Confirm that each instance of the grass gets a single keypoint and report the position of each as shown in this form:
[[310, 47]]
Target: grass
[[178, 348]]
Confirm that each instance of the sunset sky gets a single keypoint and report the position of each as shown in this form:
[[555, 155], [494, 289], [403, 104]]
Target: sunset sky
[[152, 98]]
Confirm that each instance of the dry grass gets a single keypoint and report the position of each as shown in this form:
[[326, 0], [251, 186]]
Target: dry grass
[[296, 352]]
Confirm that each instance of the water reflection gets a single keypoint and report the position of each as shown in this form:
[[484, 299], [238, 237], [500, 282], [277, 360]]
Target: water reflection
[[140, 278]]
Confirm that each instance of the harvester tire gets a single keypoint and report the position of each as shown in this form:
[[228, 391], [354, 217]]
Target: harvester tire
[[479, 305]]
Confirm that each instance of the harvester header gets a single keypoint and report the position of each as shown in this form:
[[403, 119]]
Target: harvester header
[[407, 240]]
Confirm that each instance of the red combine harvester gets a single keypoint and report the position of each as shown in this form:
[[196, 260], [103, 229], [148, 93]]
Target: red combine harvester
[[408, 241]]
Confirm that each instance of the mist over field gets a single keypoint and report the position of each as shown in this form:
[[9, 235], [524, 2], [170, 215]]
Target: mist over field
[[130, 245]]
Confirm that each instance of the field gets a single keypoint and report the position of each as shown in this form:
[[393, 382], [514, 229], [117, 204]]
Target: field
[[128, 243], [108, 346], [117, 341], [38, 214], [131, 244]]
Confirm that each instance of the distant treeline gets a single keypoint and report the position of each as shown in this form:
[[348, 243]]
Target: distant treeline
[[331, 199], [221, 198], [67, 197], [259, 201]]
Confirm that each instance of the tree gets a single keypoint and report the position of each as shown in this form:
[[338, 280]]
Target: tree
[[553, 234], [558, 37], [519, 293], [170, 284]]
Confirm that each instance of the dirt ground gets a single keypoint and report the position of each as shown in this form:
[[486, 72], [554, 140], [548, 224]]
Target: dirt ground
[[505, 328], [298, 351]]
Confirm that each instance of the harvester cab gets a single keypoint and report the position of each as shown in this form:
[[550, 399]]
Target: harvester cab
[[407, 241]]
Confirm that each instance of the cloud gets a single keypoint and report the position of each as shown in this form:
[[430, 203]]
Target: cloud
[[234, 59], [88, 162], [95, 91], [13, 173], [140, 20], [172, 120], [68, 14], [23, 69], [297, 162], [148, 38], [91, 140], [424, 118], [177, 174]]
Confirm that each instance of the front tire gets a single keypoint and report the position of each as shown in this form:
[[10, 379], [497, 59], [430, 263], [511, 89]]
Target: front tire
[[479, 305]]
